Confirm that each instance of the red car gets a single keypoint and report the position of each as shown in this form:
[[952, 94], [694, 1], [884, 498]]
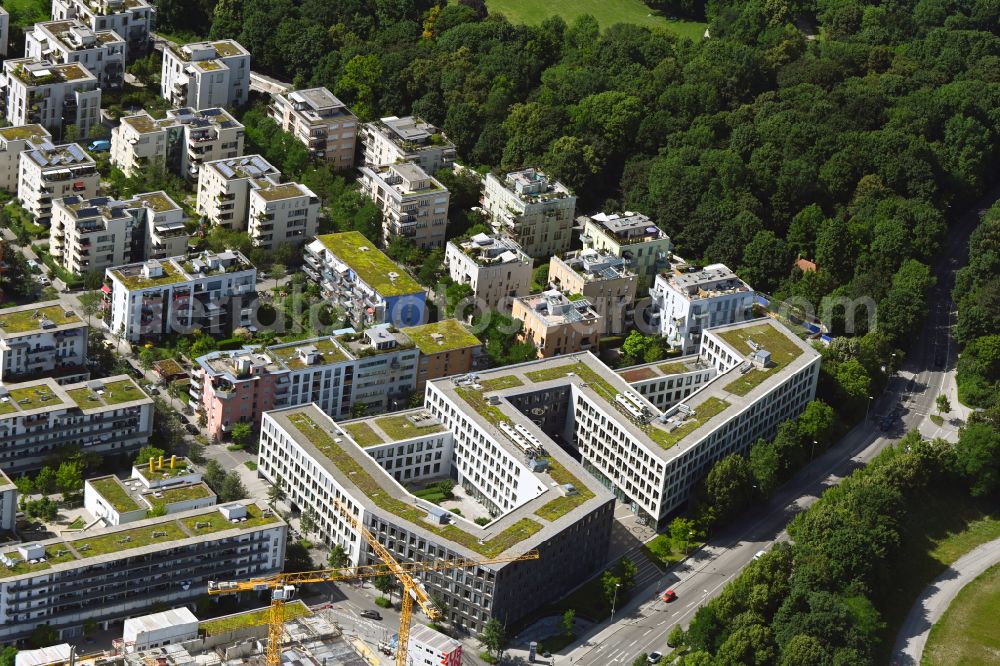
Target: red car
[[669, 596]]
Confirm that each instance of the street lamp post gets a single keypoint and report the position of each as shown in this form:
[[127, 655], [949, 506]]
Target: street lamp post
[[868, 406], [812, 450], [614, 600]]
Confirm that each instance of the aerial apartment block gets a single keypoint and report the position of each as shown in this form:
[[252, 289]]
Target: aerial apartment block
[[634, 238], [494, 267], [556, 324], [414, 205], [370, 287], [114, 573], [168, 484], [71, 41], [4, 31], [529, 496], [447, 347], [49, 173], [687, 303], [394, 140], [131, 19], [35, 91], [88, 235], [40, 418], [377, 368], [42, 340], [211, 292], [321, 122], [533, 210], [13, 142], [204, 75], [246, 193], [180, 143], [603, 279]]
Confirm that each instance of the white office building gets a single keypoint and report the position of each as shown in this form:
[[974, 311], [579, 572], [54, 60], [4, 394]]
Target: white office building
[[42, 340], [494, 266], [393, 140], [131, 19], [204, 75], [49, 173], [687, 303], [71, 41], [531, 209], [13, 142], [35, 91]]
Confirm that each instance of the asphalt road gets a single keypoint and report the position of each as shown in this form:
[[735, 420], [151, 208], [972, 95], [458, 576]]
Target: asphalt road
[[934, 601], [908, 401]]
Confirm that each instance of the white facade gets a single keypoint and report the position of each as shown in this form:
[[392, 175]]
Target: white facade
[[495, 267], [54, 345], [44, 417], [393, 140], [71, 41], [165, 628], [89, 235], [13, 142], [4, 30], [414, 205], [52, 172], [224, 189], [180, 294], [634, 238], [166, 561], [180, 143], [131, 19], [203, 75], [432, 648], [281, 213], [8, 503], [531, 209], [52, 95], [321, 122], [685, 304]]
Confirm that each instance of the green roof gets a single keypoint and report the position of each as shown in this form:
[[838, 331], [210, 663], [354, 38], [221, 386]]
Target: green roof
[[782, 348], [442, 336], [158, 201], [182, 494], [171, 275], [179, 469], [27, 319], [113, 393], [55, 554], [373, 490], [279, 192], [216, 522], [502, 382], [254, 618], [400, 427], [34, 397], [112, 490], [370, 263], [675, 368], [363, 434], [703, 412], [226, 48], [21, 132], [143, 122], [329, 351], [560, 506], [161, 532]]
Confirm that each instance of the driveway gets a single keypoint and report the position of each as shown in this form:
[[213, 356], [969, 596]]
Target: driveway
[[936, 598]]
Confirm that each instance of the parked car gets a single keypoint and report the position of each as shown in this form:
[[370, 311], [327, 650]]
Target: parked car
[[371, 615], [191, 428], [669, 596], [759, 554], [33, 266], [654, 657], [99, 146], [43, 280]]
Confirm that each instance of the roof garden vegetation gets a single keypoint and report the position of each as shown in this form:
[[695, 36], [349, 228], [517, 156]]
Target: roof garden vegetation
[[478, 402], [560, 506], [363, 434], [226, 49], [675, 368], [29, 319], [502, 382], [7, 407], [401, 427], [34, 397], [327, 348], [139, 537], [22, 132], [183, 494], [166, 472], [370, 263], [370, 487], [279, 192], [113, 393], [216, 522], [158, 201], [250, 619], [442, 336], [783, 351], [114, 493], [56, 553], [171, 275], [703, 413]]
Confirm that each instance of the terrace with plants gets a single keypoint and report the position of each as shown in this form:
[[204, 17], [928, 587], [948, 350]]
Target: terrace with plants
[[443, 336], [369, 486], [783, 351], [288, 355], [170, 496], [34, 396], [56, 553], [133, 279]]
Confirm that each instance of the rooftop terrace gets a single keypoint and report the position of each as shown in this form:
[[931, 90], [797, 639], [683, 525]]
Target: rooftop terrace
[[290, 356], [370, 264], [24, 133]]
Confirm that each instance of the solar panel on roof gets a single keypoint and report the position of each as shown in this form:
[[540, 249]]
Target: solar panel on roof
[[75, 151]]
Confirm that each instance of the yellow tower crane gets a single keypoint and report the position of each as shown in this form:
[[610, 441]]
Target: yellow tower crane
[[283, 586]]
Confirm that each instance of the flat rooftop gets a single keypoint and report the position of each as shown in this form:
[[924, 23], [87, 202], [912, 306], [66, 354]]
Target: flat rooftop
[[711, 281], [521, 529], [67, 155], [35, 318], [270, 192], [487, 250], [45, 395], [34, 72], [178, 269], [534, 186], [442, 336], [248, 166], [370, 264], [628, 228], [24, 133], [555, 309], [136, 538], [667, 368], [412, 134], [215, 117], [102, 394]]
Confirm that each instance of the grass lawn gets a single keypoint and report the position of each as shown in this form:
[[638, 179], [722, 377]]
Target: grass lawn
[[967, 632], [363, 434], [497, 383], [662, 553], [948, 526], [400, 427], [607, 13], [254, 618]]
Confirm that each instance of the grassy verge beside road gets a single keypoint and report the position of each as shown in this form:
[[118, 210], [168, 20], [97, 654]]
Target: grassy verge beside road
[[967, 632]]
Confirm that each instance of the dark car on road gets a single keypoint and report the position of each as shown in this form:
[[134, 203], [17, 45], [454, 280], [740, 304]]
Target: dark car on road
[[191, 428], [371, 615]]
